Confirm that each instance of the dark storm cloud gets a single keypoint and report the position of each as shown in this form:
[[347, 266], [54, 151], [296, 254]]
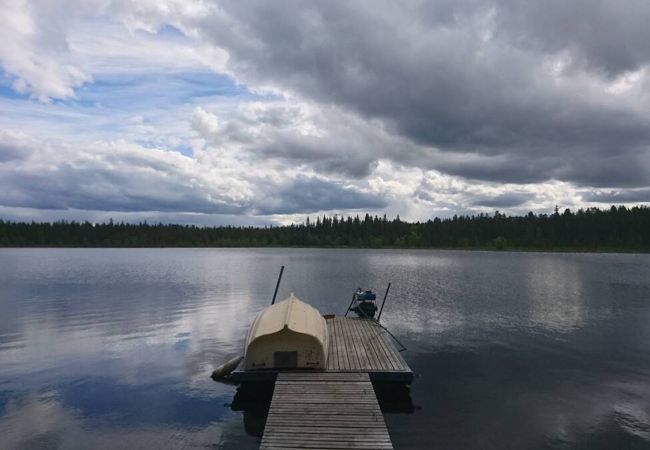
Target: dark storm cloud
[[626, 169], [608, 36], [307, 195], [12, 153], [504, 168], [615, 197], [329, 156], [464, 77], [105, 189], [507, 200]]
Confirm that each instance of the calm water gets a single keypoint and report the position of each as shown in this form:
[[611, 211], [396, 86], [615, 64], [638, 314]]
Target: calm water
[[114, 348]]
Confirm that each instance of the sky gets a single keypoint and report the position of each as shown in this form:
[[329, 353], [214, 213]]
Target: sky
[[255, 112]]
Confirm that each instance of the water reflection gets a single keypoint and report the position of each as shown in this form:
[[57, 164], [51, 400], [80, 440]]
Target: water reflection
[[254, 401], [555, 291], [43, 420], [114, 348]]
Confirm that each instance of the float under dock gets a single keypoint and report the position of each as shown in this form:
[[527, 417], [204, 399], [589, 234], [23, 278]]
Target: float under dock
[[356, 346], [324, 410]]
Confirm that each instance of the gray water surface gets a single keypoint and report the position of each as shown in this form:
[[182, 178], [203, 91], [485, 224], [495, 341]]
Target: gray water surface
[[113, 348]]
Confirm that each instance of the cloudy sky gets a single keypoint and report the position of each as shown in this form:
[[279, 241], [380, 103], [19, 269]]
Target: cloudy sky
[[255, 112]]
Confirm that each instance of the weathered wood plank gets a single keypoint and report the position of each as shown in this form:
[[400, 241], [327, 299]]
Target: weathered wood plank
[[344, 383], [305, 411], [302, 386], [349, 349], [330, 434], [282, 445], [334, 360], [375, 360], [311, 374], [388, 348], [338, 331], [346, 422], [333, 434], [353, 345], [313, 400], [362, 349], [371, 342], [394, 354], [361, 345], [311, 410], [379, 343], [357, 345], [331, 440], [342, 346], [323, 397], [334, 392], [370, 434]]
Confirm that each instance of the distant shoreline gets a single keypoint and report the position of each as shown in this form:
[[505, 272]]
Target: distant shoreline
[[614, 230], [298, 247]]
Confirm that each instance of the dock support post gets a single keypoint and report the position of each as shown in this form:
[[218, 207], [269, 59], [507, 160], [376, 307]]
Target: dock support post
[[277, 285], [349, 306], [384, 301]]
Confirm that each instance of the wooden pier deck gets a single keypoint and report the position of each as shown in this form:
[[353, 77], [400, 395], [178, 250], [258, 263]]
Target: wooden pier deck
[[324, 410], [356, 346], [336, 407], [361, 345]]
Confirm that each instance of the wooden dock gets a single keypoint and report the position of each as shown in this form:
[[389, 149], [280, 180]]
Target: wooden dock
[[335, 407], [356, 346], [325, 410]]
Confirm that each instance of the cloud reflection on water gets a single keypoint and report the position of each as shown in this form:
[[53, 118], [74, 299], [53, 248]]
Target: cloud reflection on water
[[44, 421]]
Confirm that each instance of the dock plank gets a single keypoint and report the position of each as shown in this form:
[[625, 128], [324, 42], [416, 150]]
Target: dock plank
[[359, 348], [348, 349], [376, 339], [375, 360], [362, 345], [325, 410], [342, 351], [357, 345], [335, 353]]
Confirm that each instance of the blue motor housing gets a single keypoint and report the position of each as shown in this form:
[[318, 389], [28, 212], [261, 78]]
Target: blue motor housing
[[363, 303], [364, 295]]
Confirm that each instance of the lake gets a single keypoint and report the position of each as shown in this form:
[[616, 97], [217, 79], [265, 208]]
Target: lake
[[113, 348]]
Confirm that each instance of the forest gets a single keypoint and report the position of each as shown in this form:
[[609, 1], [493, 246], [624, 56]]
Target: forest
[[614, 229]]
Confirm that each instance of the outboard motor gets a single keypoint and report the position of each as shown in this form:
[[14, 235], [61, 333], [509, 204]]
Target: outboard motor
[[364, 303]]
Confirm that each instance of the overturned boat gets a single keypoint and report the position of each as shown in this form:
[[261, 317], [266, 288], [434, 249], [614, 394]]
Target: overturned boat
[[287, 335]]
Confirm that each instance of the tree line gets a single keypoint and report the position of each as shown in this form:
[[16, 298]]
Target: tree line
[[614, 229]]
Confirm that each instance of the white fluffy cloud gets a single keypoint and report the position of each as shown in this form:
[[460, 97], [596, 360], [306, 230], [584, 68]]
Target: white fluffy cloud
[[34, 50], [124, 177]]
